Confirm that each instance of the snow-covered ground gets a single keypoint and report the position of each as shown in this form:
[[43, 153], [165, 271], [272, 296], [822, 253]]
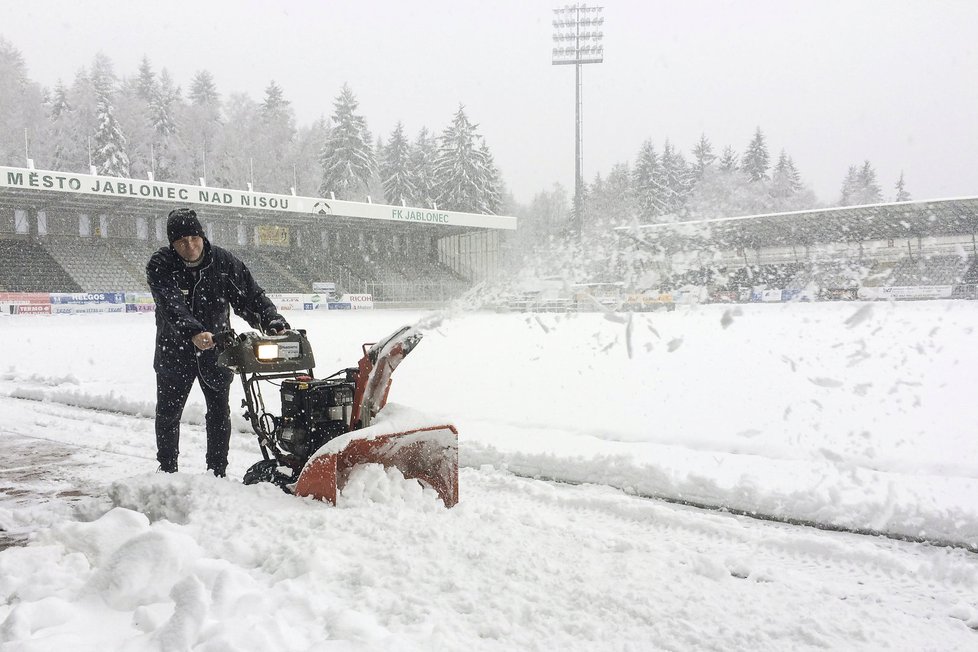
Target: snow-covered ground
[[849, 415]]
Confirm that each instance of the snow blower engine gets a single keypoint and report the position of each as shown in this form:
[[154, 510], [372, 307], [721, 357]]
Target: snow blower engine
[[325, 427]]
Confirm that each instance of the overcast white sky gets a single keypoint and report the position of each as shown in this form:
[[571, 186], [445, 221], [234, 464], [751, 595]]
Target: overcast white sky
[[833, 82]]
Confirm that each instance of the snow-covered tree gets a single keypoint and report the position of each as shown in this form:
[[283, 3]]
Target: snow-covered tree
[[161, 104], [308, 145], [614, 200], [546, 217], [493, 183], [272, 146], [21, 102], [347, 157], [703, 155], [871, 191], [133, 114], [860, 186], [165, 151], [464, 175], [108, 142], [66, 152], [677, 179], [727, 193], [201, 128], [647, 182], [395, 170], [422, 168], [756, 159], [901, 191], [59, 104], [146, 80], [785, 180], [203, 90], [850, 186], [728, 160], [233, 164]]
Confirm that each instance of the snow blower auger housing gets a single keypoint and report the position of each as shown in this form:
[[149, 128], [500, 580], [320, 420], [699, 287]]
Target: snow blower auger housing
[[325, 428]]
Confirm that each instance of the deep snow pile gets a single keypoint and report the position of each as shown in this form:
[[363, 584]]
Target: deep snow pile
[[854, 414]]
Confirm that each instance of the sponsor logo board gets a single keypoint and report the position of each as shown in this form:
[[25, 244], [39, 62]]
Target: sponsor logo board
[[32, 309], [85, 298], [25, 297]]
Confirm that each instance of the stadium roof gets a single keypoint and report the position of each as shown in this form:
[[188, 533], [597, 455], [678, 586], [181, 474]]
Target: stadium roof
[[22, 188], [900, 220]]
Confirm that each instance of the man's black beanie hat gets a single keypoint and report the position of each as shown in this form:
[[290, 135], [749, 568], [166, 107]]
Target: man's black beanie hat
[[181, 223]]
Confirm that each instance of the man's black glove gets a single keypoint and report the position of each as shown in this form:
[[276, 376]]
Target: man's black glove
[[277, 326]]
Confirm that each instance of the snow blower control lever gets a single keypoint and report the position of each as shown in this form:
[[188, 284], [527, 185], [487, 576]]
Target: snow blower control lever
[[315, 412]]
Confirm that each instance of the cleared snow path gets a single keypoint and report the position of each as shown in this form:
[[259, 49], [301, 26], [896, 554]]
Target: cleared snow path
[[192, 562]]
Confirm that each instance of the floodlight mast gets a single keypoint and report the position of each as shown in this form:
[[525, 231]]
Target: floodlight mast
[[577, 41]]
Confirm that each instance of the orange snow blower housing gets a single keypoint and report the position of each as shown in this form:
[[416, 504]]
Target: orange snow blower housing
[[327, 426]]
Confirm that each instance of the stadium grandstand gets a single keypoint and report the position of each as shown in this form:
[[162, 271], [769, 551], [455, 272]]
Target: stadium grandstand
[[905, 250], [77, 233]]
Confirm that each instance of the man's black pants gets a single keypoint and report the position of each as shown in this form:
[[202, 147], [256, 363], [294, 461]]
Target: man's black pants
[[171, 397]]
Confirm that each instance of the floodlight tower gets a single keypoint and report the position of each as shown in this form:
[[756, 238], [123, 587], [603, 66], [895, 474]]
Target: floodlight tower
[[577, 41]]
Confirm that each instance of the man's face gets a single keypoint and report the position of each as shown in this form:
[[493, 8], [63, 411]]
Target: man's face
[[190, 247]]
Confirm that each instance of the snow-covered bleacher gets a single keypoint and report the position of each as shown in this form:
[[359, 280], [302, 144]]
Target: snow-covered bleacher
[[94, 265], [25, 266]]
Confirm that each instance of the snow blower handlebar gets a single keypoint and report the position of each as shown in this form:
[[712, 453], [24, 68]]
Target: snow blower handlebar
[[255, 358]]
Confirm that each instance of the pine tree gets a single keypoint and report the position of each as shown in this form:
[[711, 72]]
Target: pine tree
[[21, 106], [647, 182], [901, 194], [347, 157], [146, 80], [422, 168], [161, 104], [71, 131], [493, 184], [860, 187], [59, 112], [546, 218], [850, 187], [275, 105], [201, 130], [728, 160], [59, 104], [676, 178], [463, 173], [161, 109], [703, 153], [614, 200], [273, 143], [395, 170], [872, 193], [203, 90], [108, 142], [785, 181], [756, 160]]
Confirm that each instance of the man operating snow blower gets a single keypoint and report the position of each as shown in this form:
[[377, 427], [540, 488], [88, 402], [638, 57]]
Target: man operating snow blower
[[195, 284]]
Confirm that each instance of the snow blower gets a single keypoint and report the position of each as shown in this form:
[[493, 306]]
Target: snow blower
[[326, 425]]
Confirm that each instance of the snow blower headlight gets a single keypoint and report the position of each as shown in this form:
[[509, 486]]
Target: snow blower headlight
[[265, 351], [254, 353]]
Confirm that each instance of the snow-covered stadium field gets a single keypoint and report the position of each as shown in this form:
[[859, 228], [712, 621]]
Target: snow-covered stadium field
[[851, 415]]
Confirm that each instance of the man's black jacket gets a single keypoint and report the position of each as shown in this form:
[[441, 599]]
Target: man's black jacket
[[191, 300]]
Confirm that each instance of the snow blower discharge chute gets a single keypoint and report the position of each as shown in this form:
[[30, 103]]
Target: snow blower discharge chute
[[325, 427]]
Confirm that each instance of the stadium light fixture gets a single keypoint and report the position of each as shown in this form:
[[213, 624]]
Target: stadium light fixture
[[578, 35]]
